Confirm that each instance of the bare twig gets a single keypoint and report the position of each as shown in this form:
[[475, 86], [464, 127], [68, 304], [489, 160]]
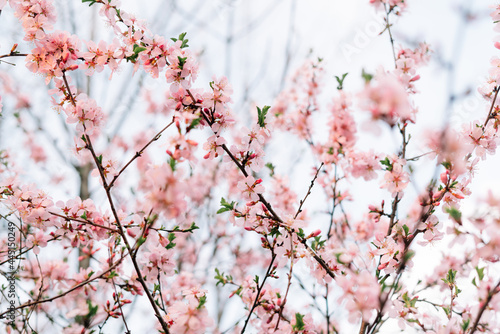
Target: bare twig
[[259, 289], [139, 153]]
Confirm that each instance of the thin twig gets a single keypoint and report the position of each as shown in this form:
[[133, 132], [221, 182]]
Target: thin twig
[[299, 210], [491, 293], [107, 189], [139, 153], [82, 221], [259, 289]]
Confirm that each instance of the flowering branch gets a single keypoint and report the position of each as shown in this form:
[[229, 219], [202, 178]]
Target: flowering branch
[[107, 189]]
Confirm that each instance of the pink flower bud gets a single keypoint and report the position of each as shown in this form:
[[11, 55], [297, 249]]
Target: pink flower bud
[[415, 78], [72, 67], [316, 233], [444, 176]]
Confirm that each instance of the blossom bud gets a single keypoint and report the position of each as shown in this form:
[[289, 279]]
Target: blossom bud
[[72, 67], [444, 176], [316, 233]]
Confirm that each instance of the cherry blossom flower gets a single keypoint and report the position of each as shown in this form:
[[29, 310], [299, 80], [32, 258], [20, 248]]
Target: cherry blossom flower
[[387, 100], [214, 146], [250, 188]]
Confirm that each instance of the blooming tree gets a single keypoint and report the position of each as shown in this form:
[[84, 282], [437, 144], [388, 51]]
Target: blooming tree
[[210, 221]]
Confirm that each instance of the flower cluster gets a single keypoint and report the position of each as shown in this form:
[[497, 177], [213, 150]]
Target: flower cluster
[[36, 16], [54, 54]]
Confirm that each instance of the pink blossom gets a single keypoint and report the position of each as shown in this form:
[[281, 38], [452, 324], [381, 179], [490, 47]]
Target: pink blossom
[[37, 240], [250, 188], [387, 100], [214, 146], [87, 114]]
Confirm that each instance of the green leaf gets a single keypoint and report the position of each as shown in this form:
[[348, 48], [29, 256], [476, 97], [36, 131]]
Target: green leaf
[[455, 214], [92, 309], [317, 243], [446, 310], [275, 231], [406, 229], [182, 61], [202, 300], [91, 2], [225, 206], [221, 278], [182, 37], [140, 241], [99, 158], [299, 322], [271, 167], [367, 76], [84, 216], [261, 113], [172, 163], [138, 49], [406, 299], [193, 124], [171, 237], [193, 227], [218, 277], [256, 279], [465, 324], [446, 165], [341, 81], [408, 255], [450, 277], [480, 273], [387, 163]]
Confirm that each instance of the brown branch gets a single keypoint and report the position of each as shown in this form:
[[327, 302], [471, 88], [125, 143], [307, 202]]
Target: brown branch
[[259, 289], [496, 89], [282, 307], [32, 303], [388, 28], [107, 189], [82, 221], [491, 293]]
